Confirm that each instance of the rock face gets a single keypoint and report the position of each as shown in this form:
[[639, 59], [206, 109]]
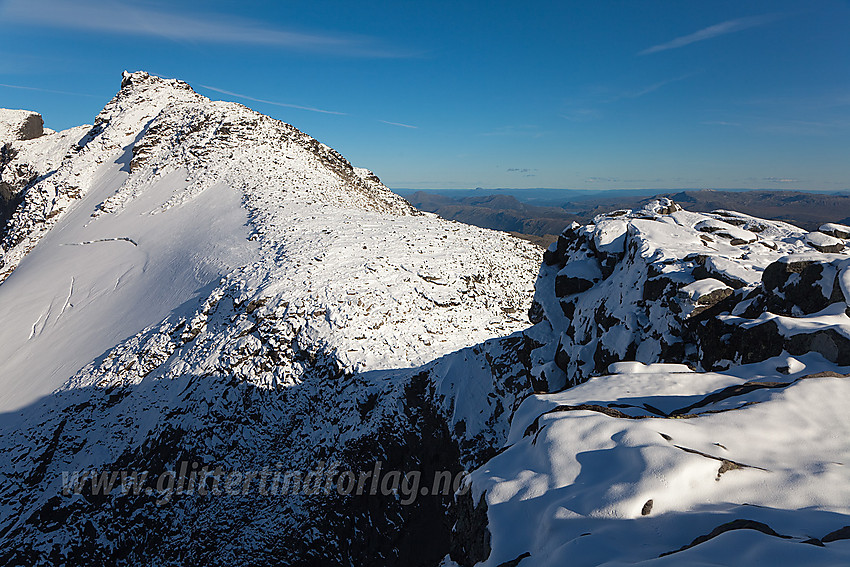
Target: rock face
[[700, 362]]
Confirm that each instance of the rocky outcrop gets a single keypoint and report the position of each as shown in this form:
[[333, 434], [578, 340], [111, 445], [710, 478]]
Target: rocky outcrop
[[661, 284], [15, 126]]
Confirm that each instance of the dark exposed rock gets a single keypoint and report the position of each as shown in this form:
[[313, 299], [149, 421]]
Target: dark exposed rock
[[24, 125], [836, 231], [32, 127], [822, 242], [568, 308], [832, 345], [566, 285], [839, 534], [729, 526], [516, 561], [714, 297], [667, 207], [470, 536], [794, 288], [829, 249], [656, 288], [536, 314]]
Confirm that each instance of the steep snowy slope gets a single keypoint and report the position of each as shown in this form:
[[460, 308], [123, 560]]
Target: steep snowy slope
[[169, 191]]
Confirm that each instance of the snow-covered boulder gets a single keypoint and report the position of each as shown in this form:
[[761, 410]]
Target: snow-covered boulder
[[836, 230], [824, 243], [19, 125]]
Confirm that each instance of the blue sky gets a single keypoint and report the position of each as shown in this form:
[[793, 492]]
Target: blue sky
[[603, 94]]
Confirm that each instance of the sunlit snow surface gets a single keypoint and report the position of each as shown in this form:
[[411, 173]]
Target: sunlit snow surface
[[574, 485], [142, 220]]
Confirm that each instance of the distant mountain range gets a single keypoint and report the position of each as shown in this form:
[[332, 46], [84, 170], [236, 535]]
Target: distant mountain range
[[541, 224]]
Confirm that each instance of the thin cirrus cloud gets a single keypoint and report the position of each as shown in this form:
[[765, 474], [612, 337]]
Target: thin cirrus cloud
[[41, 90], [283, 104], [719, 123], [584, 108], [649, 89], [717, 30], [123, 18], [398, 124]]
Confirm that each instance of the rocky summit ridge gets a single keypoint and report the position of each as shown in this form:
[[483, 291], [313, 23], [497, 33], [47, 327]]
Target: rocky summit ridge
[[191, 282]]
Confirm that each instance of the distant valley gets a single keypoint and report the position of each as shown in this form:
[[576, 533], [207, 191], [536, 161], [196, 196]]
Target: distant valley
[[519, 212]]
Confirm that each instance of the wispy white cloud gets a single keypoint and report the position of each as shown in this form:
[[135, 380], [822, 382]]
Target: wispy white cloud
[[585, 107], [580, 114], [524, 130], [41, 90], [398, 124], [720, 123], [120, 17], [284, 104], [723, 28], [637, 93]]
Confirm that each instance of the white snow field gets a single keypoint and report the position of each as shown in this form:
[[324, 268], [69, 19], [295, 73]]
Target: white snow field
[[595, 476]]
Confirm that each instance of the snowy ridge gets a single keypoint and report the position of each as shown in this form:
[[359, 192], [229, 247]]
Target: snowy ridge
[[325, 246]]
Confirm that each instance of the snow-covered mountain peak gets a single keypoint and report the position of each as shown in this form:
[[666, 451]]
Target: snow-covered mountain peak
[[186, 243], [149, 93], [176, 127], [169, 192]]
